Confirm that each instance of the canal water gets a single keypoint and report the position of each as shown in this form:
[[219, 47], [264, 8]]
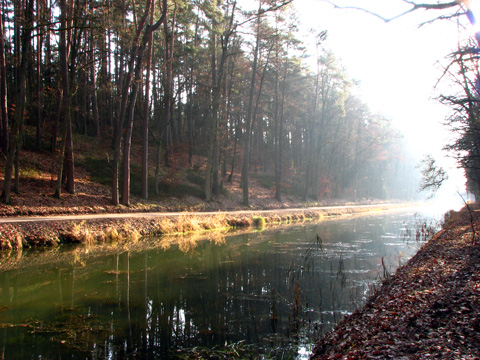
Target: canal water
[[267, 294]]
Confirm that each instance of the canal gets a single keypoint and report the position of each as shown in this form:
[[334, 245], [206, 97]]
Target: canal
[[265, 294]]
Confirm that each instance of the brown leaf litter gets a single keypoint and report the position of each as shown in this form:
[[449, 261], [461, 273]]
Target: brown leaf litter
[[430, 309]]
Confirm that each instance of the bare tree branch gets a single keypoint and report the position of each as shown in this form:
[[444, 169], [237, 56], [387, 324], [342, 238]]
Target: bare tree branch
[[275, 7], [414, 7], [272, 8], [454, 57], [442, 17]]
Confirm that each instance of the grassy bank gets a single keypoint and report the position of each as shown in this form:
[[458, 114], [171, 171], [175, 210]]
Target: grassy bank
[[101, 230]]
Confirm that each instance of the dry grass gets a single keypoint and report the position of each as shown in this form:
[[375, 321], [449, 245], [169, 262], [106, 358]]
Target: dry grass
[[112, 235], [133, 229]]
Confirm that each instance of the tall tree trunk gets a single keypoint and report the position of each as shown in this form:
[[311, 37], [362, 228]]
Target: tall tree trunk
[[3, 92], [212, 129], [170, 138], [234, 155], [39, 79], [189, 69], [136, 57], [93, 78], [117, 137], [69, 159], [279, 104], [190, 125], [158, 155], [216, 162], [56, 121], [17, 42], [146, 111], [277, 135], [39, 94], [20, 101], [21, 133], [248, 120], [67, 143], [311, 136], [127, 143], [226, 119], [324, 96], [217, 77], [18, 58], [279, 169], [105, 110], [95, 116]]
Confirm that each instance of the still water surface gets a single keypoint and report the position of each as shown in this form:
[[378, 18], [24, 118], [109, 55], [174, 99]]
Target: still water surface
[[271, 292]]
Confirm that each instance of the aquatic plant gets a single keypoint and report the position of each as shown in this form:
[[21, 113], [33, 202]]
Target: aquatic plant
[[237, 350], [259, 222]]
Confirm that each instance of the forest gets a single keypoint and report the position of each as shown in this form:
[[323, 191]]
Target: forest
[[201, 87], [156, 92]]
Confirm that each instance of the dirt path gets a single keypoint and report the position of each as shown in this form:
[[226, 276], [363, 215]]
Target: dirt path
[[329, 210]]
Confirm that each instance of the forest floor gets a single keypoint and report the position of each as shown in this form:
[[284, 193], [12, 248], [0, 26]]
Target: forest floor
[[180, 189], [430, 308]]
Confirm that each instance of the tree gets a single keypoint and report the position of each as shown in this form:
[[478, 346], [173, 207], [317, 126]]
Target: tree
[[39, 94], [146, 110], [229, 26], [463, 121], [18, 116], [248, 120], [66, 150], [127, 106], [433, 176], [3, 92]]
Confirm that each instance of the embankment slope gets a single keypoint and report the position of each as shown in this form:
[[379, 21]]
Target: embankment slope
[[430, 308]]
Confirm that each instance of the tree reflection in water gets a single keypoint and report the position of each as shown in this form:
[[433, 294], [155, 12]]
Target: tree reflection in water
[[271, 293]]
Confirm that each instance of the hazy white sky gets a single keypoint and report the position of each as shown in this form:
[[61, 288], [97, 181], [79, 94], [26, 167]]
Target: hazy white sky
[[397, 64]]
